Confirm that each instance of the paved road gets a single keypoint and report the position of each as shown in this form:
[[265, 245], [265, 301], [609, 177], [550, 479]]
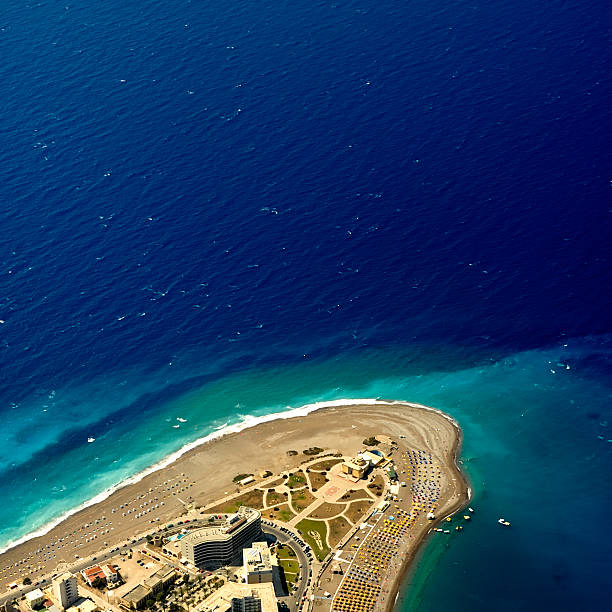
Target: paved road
[[74, 568], [82, 564]]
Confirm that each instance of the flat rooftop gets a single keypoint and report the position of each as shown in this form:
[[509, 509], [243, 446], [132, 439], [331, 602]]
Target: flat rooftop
[[136, 594], [257, 558], [232, 522], [221, 599]]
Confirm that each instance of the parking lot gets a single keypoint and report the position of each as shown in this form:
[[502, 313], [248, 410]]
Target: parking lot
[[133, 571]]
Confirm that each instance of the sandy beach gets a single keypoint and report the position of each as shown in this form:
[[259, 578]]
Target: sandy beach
[[204, 475]]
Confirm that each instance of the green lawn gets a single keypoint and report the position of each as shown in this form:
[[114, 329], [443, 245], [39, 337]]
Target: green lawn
[[301, 499], [274, 498], [288, 561], [307, 525], [290, 567], [253, 499], [296, 480], [284, 513]]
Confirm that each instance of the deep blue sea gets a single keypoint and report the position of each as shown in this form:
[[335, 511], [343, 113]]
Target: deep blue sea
[[220, 210]]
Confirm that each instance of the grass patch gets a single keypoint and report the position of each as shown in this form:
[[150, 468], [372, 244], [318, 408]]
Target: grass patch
[[287, 561], [290, 567], [324, 465], [284, 551], [283, 514], [315, 534], [327, 510], [338, 528], [317, 479], [291, 570], [353, 494], [253, 499], [296, 480], [357, 509], [274, 498], [300, 500]]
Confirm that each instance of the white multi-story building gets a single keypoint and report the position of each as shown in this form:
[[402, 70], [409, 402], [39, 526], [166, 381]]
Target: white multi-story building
[[65, 589], [35, 598], [257, 563], [222, 543]]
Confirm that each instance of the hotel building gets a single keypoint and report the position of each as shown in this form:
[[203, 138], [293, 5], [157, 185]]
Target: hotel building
[[222, 542]]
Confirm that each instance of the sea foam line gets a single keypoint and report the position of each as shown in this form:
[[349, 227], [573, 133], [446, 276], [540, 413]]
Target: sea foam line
[[246, 422]]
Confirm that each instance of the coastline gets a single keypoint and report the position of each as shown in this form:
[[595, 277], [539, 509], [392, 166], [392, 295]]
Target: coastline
[[408, 565], [298, 426], [247, 422]]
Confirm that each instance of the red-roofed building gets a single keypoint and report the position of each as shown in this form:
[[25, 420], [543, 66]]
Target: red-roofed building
[[107, 573]]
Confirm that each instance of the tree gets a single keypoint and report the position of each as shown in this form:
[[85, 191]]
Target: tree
[[27, 580], [98, 583], [371, 441]]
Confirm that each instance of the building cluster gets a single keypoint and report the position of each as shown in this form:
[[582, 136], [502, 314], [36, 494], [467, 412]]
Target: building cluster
[[64, 596], [360, 466], [108, 574], [242, 598], [227, 539], [136, 598], [361, 589]]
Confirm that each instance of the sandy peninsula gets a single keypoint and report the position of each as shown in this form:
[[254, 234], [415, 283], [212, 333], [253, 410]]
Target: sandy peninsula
[[204, 477]]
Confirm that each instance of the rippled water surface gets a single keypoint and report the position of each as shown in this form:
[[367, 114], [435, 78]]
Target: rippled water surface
[[222, 210]]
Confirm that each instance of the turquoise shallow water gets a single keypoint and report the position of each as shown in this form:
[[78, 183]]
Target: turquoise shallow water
[[219, 209], [537, 450]]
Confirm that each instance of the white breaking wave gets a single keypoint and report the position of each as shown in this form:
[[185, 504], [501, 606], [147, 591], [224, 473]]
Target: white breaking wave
[[246, 422]]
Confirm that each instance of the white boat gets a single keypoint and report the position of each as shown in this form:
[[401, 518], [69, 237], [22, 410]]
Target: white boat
[[90, 439], [504, 522], [471, 509], [176, 426], [180, 420]]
